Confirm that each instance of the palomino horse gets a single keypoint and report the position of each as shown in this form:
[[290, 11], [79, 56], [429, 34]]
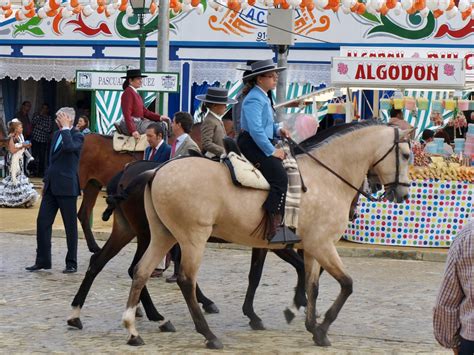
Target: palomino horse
[[99, 163], [233, 213], [130, 221]]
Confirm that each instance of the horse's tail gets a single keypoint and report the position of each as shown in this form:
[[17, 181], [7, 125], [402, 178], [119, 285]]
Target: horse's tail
[[231, 146]]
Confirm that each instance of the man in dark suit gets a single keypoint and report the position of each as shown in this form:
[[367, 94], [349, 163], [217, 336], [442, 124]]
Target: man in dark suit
[[158, 151], [60, 191]]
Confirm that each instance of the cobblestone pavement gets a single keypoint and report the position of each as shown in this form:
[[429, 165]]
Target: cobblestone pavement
[[388, 313]]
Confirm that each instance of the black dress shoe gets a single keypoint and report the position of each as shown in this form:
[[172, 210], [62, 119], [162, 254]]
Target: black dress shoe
[[69, 270], [37, 267], [172, 279]]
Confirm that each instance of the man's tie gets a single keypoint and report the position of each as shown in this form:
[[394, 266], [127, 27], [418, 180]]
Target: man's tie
[[152, 155], [58, 142], [173, 148]]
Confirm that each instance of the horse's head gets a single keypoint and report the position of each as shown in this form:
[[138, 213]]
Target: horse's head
[[392, 165]]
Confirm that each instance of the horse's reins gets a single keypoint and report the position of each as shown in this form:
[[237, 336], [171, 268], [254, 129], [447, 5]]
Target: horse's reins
[[363, 193]]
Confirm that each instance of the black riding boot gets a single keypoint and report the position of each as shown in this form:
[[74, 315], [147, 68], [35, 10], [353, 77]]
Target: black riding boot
[[277, 233]]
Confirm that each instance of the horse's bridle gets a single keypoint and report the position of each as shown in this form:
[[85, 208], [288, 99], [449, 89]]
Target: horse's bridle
[[390, 187]]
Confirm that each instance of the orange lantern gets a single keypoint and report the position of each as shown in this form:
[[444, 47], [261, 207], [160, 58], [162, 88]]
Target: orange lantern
[[195, 3], [153, 7], [465, 14], [124, 3], [310, 6], [437, 13], [77, 9], [391, 4], [361, 9], [419, 4], [100, 9], [53, 5], [8, 13], [285, 5], [451, 5], [252, 2], [31, 13], [384, 10]]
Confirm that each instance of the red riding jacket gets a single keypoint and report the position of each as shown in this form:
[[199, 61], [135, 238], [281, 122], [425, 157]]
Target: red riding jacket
[[132, 106]]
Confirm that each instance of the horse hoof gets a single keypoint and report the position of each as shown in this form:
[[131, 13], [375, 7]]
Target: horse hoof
[[167, 327], [139, 313], [214, 344], [94, 249], [135, 341], [320, 337], [289, 315], [257, 324], [211, 308], [75, 322]]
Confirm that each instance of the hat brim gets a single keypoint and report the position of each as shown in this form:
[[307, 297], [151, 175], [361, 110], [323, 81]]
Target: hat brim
[[244, 68], [135, 76], [229, 101], [250, 76]]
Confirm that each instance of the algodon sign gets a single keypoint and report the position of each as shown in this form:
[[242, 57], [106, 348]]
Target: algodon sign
[[398, 73]]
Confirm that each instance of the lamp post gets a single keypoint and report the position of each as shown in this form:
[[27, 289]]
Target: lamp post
[[140, 8]]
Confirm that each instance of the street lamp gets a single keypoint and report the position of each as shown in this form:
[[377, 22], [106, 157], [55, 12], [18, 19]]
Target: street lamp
[[140, 8]]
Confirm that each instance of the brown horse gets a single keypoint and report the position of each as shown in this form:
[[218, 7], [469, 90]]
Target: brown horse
[[219, 208], [100, 162]]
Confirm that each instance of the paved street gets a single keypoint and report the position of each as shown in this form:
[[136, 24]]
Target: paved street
[[389, 311]]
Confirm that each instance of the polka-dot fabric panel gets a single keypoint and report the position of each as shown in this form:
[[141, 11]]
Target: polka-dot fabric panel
[[433, 215]]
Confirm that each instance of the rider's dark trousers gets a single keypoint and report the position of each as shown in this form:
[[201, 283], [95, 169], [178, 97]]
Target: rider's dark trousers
[[271, 168]]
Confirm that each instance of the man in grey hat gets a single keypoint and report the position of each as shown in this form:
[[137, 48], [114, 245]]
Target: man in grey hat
[[212, 129]]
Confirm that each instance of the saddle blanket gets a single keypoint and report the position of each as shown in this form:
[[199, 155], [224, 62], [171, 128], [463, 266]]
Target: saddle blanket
[[243, 173], [123, 143]]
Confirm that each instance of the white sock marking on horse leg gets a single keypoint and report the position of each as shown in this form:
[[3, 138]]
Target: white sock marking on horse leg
[[76, 312], [128, 320]]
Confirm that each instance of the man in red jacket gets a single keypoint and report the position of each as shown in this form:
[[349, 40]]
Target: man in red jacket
[[136, 117]]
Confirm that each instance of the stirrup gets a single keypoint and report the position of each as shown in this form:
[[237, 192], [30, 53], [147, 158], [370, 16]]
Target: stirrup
[[284, 235]]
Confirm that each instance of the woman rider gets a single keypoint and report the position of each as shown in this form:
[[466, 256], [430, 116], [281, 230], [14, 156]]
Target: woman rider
[[255, 141], [136, 117]]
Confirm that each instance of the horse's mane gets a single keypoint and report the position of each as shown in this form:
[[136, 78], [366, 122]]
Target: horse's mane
[[331, 133]]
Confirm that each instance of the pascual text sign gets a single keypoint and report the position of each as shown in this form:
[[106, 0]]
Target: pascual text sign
[[106, 80], [398, 72]]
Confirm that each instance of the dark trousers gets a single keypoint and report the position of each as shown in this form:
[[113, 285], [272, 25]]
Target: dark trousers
[[467, 347], [39, 150], [271, 168], [44, 224]]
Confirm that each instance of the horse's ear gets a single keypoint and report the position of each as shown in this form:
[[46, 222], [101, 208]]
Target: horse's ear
[[407, 134]]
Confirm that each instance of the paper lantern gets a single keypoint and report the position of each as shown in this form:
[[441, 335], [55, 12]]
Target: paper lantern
[[437, 13], [465, 14], [432, 5], [41, 13], [407, 4], [195, 3]]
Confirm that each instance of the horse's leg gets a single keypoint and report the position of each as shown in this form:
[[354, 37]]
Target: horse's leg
[[255, 275], [312, 289], [190, 261], [90, 193], [208, 305], [160, 243], [331, 262], [143, 241], [299, 300], [121, 235]]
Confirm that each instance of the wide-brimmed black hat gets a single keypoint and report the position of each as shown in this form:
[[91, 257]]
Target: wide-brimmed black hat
[[247, 66], [217, 96], [134, 73], [262, 67]]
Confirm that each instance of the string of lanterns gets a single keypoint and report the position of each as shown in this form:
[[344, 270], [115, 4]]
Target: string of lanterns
[[56, 8]]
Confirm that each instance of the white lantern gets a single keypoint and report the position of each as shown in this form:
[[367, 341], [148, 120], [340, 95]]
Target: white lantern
[[397, 10], [41, 13], [407, 4], [443, 4], [452, 13], [87, 11], [425, 12], [463, 5]]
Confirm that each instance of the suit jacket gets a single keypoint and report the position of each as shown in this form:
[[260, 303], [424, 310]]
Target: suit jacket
[[185, 146], [132, 106], [162, 154], [61, 176], [257, 118], [212, 135]]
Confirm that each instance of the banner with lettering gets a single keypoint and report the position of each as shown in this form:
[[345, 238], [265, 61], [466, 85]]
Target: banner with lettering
[[398, 73]]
